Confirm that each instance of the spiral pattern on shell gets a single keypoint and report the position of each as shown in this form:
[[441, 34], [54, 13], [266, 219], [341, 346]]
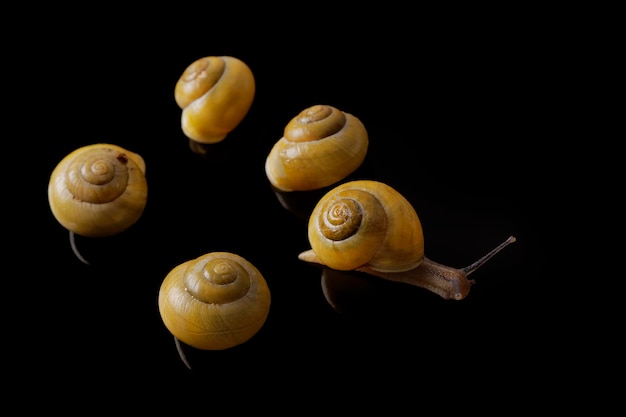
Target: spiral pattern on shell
[[98, 190], [320, 146], [366, 223], [215, 93], [216, 301]]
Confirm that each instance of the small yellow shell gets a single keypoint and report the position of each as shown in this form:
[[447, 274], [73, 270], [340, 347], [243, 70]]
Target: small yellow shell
[[320, 146], [365, 223], [214, 302], [98, 190], [215, 93]]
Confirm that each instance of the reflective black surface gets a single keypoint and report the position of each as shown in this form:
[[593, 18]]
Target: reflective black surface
[[450, 127]]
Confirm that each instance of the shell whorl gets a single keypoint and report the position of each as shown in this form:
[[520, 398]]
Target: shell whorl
[[314, 123], [320, 146], [216, 301], [366, 223], [98, 190]]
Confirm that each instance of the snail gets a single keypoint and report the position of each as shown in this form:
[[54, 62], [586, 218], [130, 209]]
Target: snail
[[215, 93], [213, 302], [98, 190], [368, 226], [320, 146]]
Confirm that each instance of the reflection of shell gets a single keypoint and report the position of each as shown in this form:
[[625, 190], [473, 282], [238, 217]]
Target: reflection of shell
[[215, 93], [216, 301], [320, 146], [349, 292], [365, 223], [98, 190]]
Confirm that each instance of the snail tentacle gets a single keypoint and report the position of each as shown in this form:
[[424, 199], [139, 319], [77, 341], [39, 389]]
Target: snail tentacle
[[474, 266]]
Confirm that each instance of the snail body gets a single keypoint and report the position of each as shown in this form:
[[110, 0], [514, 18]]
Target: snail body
[[98, 190], [214, 302], [319, 147], [215, 93], [368, 226]]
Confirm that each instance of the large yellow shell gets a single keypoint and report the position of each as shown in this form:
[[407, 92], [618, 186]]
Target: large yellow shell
[[215, 94], [320, 146], [365, 223], [98, 190], [214, 302]]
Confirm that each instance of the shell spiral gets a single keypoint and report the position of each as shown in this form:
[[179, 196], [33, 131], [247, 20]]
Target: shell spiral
[[98, 190], [320, 146], [214, 302], [215, 93], [366, 223]]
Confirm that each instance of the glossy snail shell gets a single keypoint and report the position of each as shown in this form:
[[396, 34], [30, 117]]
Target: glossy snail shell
[[215, 93], [98, 190], [320, 146], [216, 301], [365, 223]]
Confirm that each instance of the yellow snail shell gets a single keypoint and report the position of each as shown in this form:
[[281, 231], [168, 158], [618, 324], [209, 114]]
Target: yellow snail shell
[[98, 190], [320, 146], [215, 93], [366, 223], [216, 301]]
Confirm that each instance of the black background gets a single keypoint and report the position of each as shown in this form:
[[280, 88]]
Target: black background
[[456, 106]]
